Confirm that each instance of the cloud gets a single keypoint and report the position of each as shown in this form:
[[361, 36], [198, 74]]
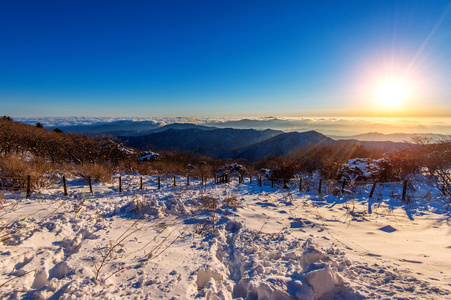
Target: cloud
[[328, 126]]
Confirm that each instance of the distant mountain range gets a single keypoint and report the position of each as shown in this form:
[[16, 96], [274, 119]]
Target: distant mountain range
[[281, 144], [234, 143], [199, 138], [249, 144]]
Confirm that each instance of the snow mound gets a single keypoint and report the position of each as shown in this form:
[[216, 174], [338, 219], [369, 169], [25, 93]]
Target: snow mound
[[204, 276], [322, 278], [141, 206]]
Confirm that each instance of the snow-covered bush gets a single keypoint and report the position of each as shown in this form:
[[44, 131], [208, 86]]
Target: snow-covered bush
[[233, 169], [363, 169], [148, 156], [265, 172], [278, 168]]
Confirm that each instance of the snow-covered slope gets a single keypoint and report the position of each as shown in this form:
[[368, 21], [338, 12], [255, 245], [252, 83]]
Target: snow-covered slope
[[253, 243]]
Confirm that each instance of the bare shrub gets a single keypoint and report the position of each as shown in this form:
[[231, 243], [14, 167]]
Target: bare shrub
[[208, 202], [59, 147], [95, 171], [113, 252], [15, 168], [110, 251], [434, 156], [326, 159], [233, 201], [176, 162], [284, 170], [404, 162]]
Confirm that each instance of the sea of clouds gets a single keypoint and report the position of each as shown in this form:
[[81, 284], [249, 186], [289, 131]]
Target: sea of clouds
[[339, 127]]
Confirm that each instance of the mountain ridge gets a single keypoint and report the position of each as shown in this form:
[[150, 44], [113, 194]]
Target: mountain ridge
[[248, 144]]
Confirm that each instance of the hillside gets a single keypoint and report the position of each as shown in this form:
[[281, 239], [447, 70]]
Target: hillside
[[198, 139], [248, 144], [16, 137], [282, 144]]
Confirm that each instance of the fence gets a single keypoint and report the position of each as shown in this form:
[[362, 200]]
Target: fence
[[326, 186], [16, 183], [302, 184]]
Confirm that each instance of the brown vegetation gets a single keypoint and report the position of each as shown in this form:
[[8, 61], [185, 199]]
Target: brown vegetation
[[27, 150]]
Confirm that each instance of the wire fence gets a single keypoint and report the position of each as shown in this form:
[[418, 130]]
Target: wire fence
[[320, 186]]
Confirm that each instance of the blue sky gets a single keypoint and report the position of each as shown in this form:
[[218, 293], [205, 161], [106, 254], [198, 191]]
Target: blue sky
[[221, 58]]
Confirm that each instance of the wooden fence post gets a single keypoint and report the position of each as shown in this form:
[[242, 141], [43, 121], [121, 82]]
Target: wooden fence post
[[404, 190], [272, 182], [187, 180], [90, 184], [300, 184], [372, 189], [175, 183], [141, 183], [202, 182], [28, 186], [260, 181], [343, 185], [64, 186], [250, 179], [159, 182], [319, 187], [120, 184]]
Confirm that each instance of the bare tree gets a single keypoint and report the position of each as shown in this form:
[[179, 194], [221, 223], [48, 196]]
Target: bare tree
[[434, 156]]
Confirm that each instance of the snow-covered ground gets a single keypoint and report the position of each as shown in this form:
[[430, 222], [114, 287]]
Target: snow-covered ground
[[226, 241]]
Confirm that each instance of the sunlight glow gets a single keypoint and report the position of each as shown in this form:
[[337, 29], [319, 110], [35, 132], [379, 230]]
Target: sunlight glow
[[391, 93]]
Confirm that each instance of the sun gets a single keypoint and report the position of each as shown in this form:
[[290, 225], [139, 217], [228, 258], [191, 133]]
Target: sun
[[391, 93]]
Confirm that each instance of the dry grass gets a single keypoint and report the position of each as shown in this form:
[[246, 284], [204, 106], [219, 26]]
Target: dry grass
[[15, 168], [233, 201], [208, 202], [110, 251], [95, 171]]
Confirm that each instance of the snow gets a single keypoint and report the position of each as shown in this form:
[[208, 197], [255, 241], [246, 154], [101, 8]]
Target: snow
[[267, 243], [233, 169], [148, 156], [363, 168]]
